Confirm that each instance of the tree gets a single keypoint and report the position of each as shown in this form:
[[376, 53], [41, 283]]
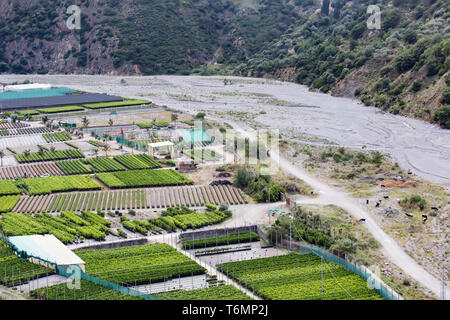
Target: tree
[[200, 115], [85, 121], [443, 116], [110, 122], [44, 119], [174, 117], [325, 7], [2, 154], [106, 148], [26, 153], [52, 149]]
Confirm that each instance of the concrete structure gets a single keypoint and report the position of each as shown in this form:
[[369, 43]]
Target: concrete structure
[[164, 147], [46, 250], [18, 87]]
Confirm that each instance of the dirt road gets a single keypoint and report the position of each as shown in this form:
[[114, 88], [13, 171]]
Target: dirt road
[[329, 195]]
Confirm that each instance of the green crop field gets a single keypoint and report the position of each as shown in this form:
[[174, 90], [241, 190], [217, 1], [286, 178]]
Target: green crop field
[[8, 188], [49, 156], [224, 292], [37, 186], [143, 178], [104, 164], [15, 270], [141, 161], [56, 137], [298, 277], [67, 227], [73, 167], [239, 237], [124, 103], [60, 109], [139, 264], [7, 203], [87, 291]]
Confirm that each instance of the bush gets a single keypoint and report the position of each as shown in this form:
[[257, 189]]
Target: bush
[[442, 116], [416, 86]]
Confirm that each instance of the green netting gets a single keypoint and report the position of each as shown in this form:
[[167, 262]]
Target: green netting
[[385, 292], [70, 271], [132, 144]]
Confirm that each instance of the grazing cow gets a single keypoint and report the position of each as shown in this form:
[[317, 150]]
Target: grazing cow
[[383, 186], [312, 192], [408, 215], [377, 205], [422, 207], [435, 208], [386, 197], [425, 218], [362, 220], [367, 201]]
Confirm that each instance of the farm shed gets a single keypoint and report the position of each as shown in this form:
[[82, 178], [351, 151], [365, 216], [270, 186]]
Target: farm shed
[[46, 250], [161, 147]]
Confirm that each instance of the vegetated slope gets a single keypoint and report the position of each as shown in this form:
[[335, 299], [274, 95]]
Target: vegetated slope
[[324, 44]]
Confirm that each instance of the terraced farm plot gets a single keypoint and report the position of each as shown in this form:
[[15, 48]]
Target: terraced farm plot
[[73, 167], [104, 164], [141, 161], [139, 264], [143, 178], [124, 103], [224, 292], [8, 188], [56, 137], [23, 141], [30, 170], [189, 196], [16, 270], [67, 227], [87, 291], [191, 220], [39, 186], [49, 156], [298, 277], [23, 131]]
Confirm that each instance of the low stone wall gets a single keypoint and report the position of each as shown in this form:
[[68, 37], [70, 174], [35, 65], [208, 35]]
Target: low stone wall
[[112, 244]]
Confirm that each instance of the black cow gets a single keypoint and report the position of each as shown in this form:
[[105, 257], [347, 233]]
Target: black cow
[[386, 197], [408, 215], [425, 218], [435, 208], [377, 205], [362, 220], [367, 201]]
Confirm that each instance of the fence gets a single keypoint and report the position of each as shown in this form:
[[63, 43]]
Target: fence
[[132, 144], [386, 292]]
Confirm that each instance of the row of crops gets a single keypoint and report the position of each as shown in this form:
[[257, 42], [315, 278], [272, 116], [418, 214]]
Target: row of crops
[[193, 220], [67, 227], [49, 156], [143, 178], [56, 137], [232, 238], [73, 167], [92, 291], [124, 103], [8, 203], [38, 186], [139, 264], [141, 161], [14, 270], [298, 277], [8, 187], [200, 155], [87, 291], [131, 199], [104, 164], [30, 170], [60, 109]]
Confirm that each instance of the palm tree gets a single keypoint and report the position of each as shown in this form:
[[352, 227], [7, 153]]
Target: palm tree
[[85, 121], [13, 117], [26, 153], [95, 151], [44, 119], [106, 148], [2, 154], [52, 149], [41, 150]]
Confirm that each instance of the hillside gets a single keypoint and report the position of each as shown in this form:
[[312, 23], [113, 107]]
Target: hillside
[[402, 68]]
